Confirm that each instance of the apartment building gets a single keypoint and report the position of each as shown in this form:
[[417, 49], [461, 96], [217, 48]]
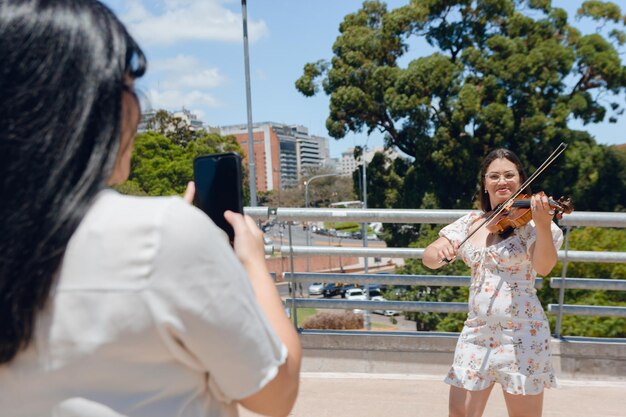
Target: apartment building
[[347, 163], [281, 152]]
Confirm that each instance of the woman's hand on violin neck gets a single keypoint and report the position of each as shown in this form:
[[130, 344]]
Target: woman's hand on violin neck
[[541, 210]]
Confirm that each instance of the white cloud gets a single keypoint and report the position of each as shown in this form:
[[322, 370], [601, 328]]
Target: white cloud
[[189, 20], [180, 63], [175, 99], [186, 71], [209, 78]]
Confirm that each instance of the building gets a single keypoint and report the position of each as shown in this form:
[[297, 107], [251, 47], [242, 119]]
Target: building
[[188, 118], [347, 164], [146, 117], [281, 152]]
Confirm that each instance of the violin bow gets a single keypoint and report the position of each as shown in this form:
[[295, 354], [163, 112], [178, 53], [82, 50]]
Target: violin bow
[[558, 151]]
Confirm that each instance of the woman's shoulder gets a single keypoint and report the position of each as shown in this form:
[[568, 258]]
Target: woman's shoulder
[[467, 219], [111, 206], [121, 231], [458, 229], [117, 217]]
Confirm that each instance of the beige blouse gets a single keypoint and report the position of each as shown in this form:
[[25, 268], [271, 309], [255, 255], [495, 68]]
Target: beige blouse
[[151, 315]]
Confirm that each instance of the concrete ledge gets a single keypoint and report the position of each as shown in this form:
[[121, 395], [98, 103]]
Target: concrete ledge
[[432, 353], [589, 358]]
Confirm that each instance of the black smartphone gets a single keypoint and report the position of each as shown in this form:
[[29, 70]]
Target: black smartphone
[[218, 181]]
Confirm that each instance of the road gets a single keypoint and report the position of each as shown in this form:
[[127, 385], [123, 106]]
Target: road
[[280, 233]]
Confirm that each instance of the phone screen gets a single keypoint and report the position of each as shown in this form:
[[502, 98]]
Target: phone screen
[[218, 187]]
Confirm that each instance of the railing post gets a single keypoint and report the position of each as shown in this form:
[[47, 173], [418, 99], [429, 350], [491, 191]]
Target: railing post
[[559, 317], [294, 310]]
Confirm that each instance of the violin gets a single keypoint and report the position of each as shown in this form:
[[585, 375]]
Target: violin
[[517, 213]]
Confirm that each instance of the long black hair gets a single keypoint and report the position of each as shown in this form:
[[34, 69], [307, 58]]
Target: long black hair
[[500, 153], [62, 69]]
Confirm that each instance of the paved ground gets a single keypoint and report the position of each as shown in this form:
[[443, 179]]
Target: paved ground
[[390, 395]]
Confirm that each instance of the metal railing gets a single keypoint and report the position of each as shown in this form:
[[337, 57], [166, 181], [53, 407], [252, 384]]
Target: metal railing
[[576, 219]]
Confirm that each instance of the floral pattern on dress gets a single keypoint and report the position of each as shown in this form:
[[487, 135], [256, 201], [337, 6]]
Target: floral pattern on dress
[[506, 337]]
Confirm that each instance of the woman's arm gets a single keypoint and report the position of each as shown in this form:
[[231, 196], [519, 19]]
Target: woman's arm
[[279, 395], [544, 255], [440, 249]]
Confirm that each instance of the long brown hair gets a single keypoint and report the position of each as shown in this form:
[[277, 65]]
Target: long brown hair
[[500, 153]]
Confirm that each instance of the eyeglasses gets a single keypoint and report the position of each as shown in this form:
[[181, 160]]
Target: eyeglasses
[[508, 176]]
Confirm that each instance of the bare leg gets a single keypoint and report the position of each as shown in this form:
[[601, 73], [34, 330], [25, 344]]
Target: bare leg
[[465, 403], [524, 405]]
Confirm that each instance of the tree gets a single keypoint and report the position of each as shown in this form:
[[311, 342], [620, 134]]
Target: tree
[[500, 77], [384, 184], [172, 127], [159, 166], [327, 190]]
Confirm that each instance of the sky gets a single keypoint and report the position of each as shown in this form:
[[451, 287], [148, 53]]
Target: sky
[[196, 60]]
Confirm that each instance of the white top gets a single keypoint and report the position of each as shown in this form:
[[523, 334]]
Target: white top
[[152, 315]]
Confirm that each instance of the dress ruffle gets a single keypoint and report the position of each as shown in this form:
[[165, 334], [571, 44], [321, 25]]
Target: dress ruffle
[[513, 383]]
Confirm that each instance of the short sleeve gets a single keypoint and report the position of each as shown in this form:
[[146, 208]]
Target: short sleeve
[[528, 235], [457, 231], [205, 308]]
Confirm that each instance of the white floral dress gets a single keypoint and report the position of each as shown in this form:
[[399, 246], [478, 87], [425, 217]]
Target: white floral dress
[[506, 337]]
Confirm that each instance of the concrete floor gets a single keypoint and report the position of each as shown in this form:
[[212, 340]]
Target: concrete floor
[[393, 395]]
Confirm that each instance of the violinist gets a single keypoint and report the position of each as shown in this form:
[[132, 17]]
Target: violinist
[[506, 337]]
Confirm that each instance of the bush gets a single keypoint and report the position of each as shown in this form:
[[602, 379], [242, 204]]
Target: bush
[[326, 320]]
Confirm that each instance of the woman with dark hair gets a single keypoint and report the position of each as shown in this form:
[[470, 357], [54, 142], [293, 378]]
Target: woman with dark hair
[[506, 337], [109, 304]]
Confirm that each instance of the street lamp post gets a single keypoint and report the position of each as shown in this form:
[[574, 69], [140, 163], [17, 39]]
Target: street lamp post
[[306, 205], [251, 164], [366, 315]]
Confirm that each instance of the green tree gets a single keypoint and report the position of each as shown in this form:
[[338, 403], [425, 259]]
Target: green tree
[[159, 166], [447, 322], [593, 239], [505, 73], [384, 184], [173, 127]]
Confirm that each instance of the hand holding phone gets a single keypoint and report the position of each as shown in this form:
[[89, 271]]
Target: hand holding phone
[[219, 187]]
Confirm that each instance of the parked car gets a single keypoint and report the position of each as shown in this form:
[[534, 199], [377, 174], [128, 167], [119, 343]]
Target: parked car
[[345, 288], [316, 288], [373, 290], [374, 293], [331, 290], [384, 312], [356, 294]]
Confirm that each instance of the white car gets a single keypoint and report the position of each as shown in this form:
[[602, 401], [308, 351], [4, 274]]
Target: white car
[[316, 288], [384, 312], [356, 294]]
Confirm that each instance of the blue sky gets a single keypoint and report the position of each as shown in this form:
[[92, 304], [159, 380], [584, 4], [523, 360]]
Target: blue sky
[[195, 54]]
